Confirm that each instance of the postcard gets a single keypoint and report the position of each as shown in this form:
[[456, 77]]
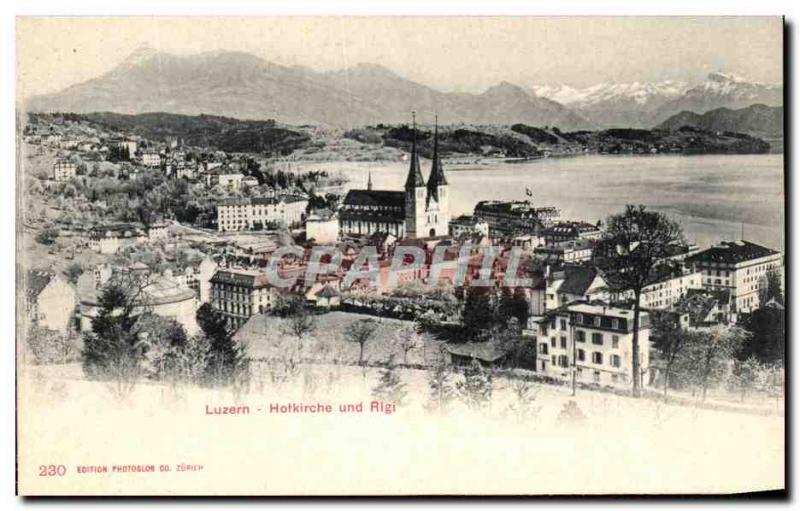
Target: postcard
[[400, 256]]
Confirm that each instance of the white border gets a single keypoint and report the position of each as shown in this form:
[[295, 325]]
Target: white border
[[9, 10]]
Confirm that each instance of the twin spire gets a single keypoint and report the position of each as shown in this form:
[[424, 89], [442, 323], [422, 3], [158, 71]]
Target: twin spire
[[436, 178]]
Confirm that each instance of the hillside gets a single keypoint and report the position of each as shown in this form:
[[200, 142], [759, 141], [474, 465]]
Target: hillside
[[226, 134], [240, 85], [758, 120]]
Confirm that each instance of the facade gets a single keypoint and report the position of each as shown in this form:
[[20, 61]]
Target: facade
[[422, 210], [240, 294], [467, 225], [111, 239], [668, 292], [50, 300], [260, 212], [150, 158], [568, 231], [596, 340], [323, 227], [226, 179], [573, 251], [63, 170], [514, 218], [575, 283], [739, 267]]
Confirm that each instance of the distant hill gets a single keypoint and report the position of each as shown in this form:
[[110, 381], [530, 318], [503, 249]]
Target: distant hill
[[759, 120], [235, 84], [230, 135]]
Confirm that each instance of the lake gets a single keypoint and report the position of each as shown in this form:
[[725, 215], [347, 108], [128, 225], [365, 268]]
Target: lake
[[714, 197]]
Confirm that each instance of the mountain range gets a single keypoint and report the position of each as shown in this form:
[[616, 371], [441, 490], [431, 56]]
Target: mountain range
[[758, 120], [244, 86], [648, 104]]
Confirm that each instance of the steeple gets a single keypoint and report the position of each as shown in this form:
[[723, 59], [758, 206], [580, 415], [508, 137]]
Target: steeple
[[414, 179], [369, 181], [436, 178]]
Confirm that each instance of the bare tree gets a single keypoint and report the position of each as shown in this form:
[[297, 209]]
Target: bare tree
[[671, 340], [408, 338], [637, 241], [361, 332]]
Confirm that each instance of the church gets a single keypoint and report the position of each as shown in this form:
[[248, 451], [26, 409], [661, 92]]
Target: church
[[419, 211]]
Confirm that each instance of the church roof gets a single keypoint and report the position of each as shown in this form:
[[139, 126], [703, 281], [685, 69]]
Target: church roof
[[437, 172], [386, 198], [414, 179]]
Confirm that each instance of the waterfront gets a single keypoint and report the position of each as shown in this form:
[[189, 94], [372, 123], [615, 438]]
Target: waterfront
[[713, 196]]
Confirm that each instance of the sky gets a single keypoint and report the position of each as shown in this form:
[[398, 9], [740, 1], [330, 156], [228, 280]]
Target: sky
[[466, 54]]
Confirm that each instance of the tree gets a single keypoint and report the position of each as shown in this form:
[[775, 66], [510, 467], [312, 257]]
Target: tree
[[167, 342], [226, 362], [640, 240], [478, 314], [114, 350], [745, 376], [767, 342], [390, 387], [73, 272], [770, 288], [709, 358], [408, 338], [513, 305], [361, 332], [476, 389], [671, 340], [440, 383], [525, 394], [47, 236]]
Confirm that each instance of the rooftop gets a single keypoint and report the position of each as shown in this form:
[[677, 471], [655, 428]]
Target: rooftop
[[732, 252]]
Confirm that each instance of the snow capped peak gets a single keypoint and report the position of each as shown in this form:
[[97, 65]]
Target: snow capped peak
[[639, 92]]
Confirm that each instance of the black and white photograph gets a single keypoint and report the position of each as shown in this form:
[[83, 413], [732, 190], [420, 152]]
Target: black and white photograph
[[400, 255]]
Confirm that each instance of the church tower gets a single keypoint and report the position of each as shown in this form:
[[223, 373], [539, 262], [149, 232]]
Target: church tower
[[437, 203], [415, 192]]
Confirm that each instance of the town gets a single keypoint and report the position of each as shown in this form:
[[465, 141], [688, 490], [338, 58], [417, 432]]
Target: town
[[193, 243]]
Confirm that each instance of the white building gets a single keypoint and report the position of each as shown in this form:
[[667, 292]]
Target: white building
[[63, 170], [150, 158], [668, 292], [739, 267], [596, 340], [50, 300], [572, 251], [260, 212]]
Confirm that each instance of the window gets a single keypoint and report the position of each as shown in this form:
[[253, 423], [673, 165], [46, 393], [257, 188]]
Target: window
[[615, 341], [597, 338], [579, 318], [597, 357], [581, 355], [596, 376], [616, 361], [580, 335], [543, 348], [553, 342], [563, 342], [597, 321], [615, 322], [563, 361], [553, 359], [563, 324]]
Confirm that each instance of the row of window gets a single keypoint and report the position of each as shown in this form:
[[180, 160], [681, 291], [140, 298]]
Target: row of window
[[597, 359]]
